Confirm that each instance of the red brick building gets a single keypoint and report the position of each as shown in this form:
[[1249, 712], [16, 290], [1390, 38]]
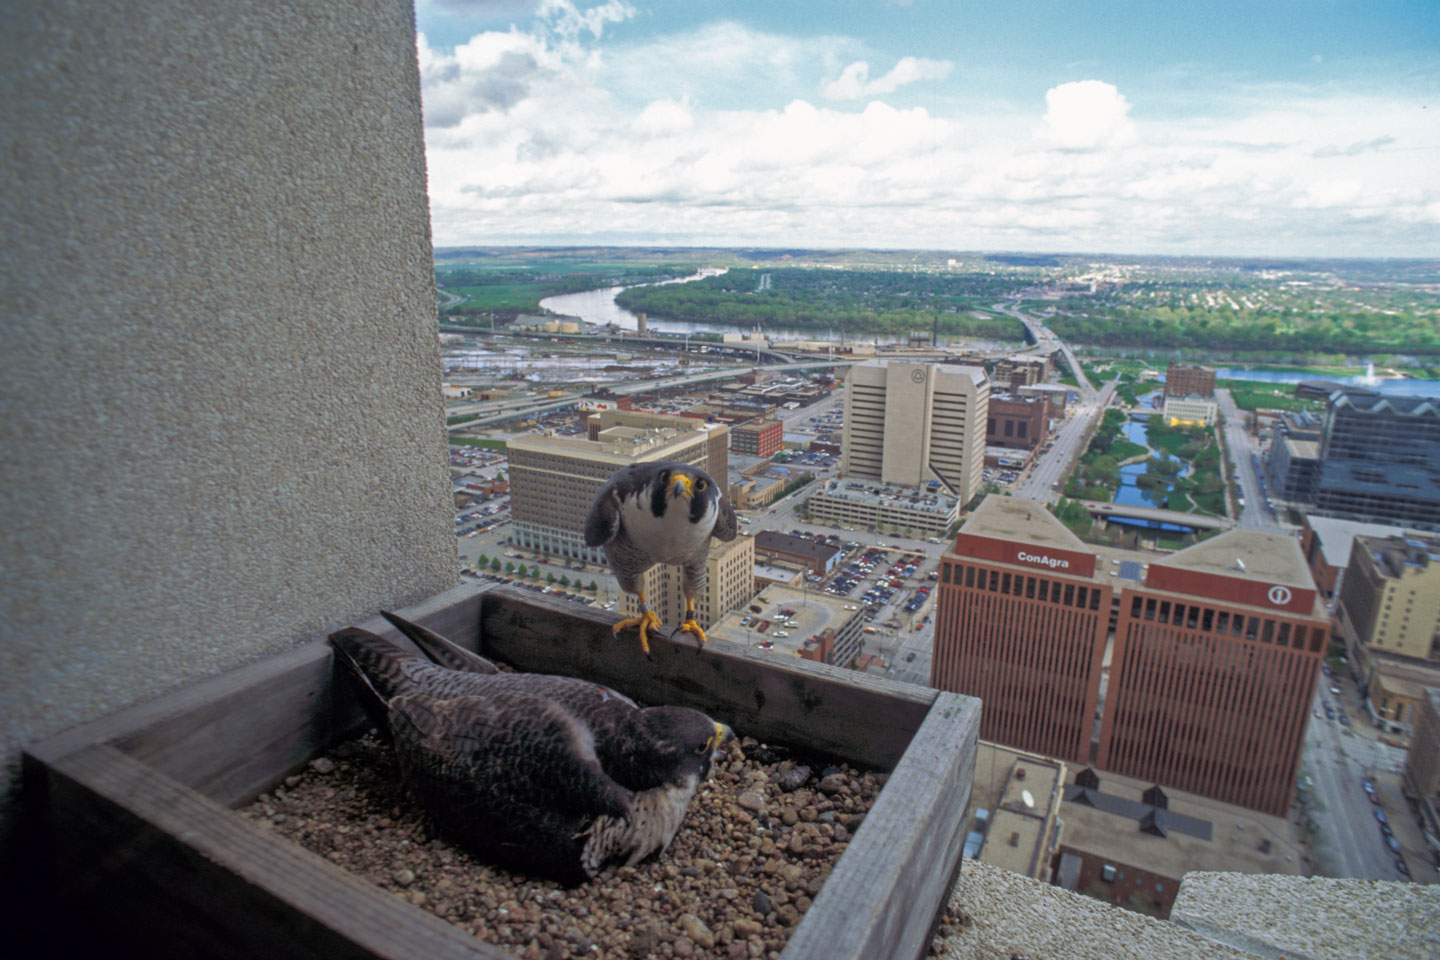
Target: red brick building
[[1215, 651], [1186, 381], [1017, 422], [758, 438]]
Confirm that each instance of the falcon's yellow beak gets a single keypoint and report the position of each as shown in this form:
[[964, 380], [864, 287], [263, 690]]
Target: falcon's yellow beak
[[683, 486], [722, 735]]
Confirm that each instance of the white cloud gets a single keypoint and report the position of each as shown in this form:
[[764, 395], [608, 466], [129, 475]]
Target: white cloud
[[854, 83], [546, 135], [1086, 115]]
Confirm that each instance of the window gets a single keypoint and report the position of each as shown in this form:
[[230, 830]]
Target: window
[[1045, 590], [1107, 873]]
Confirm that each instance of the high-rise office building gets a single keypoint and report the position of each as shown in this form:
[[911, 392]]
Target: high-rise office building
[[1380, 459], [1187, 381], [911, 423], [730, 583], [1213, 659], [554, 479], [1388, 610]]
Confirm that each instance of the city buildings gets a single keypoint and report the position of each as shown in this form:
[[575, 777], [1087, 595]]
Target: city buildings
[[1014, 810], [909, 512], [798, 622], [1130, 843], [1182, 380], [1326, 543], [730, 582], [554, 479], [1388, 612], [819, 558], [1213, 651], [1188, 411], [1422, 764], [1380, 459], [1015, 372], [1016, 421], [910, 423], [758, 438]]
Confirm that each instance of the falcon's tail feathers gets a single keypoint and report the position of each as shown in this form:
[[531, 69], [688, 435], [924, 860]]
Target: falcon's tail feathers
[[440, 650], [374, 660]]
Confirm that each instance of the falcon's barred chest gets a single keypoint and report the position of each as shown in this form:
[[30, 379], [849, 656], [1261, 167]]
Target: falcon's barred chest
[[673, 535]]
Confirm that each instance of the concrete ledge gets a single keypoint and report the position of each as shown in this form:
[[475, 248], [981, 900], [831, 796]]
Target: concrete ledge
[[1311, 918], [1014, 916]]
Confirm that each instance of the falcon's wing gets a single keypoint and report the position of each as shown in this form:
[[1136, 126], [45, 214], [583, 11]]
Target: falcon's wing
[[514, 756], [725, 523], [603, 521]]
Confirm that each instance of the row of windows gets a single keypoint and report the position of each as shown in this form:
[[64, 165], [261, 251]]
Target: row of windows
[[1195, 617], [1031, 588]]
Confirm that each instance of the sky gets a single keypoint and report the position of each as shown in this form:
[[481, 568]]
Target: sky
[[1245, 128]]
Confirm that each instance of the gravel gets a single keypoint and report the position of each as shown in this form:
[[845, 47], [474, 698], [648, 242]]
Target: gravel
[[758, 842]]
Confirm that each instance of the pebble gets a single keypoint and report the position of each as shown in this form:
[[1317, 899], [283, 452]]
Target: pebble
[[752, 823], [750, 800]]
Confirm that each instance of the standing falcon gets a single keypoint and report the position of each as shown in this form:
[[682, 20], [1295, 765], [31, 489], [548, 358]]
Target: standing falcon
[[551, 776], [660, 512]]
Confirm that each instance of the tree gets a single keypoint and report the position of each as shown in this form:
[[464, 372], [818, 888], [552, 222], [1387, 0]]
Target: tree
[[509, 567], [549, 577], [594, 587], [495, 565], [535, 572], [564, 580]]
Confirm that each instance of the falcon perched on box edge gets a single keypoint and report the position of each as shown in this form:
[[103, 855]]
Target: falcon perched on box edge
[[546, 775], [660, 512]]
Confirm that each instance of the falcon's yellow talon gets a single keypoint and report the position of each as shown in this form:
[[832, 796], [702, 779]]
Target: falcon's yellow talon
[[647, 621], [690, 626]]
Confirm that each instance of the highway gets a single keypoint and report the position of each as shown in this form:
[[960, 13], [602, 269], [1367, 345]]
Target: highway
[[1043, 480]]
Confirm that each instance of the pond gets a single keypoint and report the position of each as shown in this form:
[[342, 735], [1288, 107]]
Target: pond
[[1130, 492]]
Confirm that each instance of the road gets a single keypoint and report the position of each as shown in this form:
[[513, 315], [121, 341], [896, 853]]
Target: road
[[1042, 481], [1256, 514], [1336, 760]]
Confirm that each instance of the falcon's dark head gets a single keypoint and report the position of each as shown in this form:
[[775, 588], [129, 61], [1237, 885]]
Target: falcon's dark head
[[683, 483], [669, 744]]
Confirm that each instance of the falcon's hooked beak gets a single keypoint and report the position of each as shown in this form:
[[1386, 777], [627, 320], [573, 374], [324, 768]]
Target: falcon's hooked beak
[[716, 744], [683, 486]]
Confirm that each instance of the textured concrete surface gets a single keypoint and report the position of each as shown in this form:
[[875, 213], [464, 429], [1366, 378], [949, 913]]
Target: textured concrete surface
[[1313, 918], [220, 399], [1008, 916]]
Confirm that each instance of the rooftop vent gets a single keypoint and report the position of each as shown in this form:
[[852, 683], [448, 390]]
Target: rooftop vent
[[1088, 779]]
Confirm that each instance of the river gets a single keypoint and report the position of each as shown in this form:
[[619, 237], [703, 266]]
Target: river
[[599, 307]]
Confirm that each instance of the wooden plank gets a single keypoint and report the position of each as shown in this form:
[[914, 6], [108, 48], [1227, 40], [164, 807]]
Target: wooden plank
[[839, 712], [883, 896], [234, 736], [170, 873]]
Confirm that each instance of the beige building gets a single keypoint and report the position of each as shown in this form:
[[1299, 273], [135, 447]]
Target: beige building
[[799, 623], [1189, 411], [908, 513], [1388, 610], [730, 572], [1020, 795], [554, 479], [910, 423]]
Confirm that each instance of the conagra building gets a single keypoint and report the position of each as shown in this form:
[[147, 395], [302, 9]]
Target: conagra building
[[1199, 665]]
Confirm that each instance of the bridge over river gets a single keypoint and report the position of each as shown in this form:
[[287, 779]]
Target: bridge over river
[[1155, 515]]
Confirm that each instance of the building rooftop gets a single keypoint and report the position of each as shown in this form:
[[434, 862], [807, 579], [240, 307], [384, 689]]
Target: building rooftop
[[814, 612], [1004, 776], [1241, 840], [796, 546], [1302, 449], [892, 495], [1393, 554], [1336, 536], [1271, 557], [1014, 518]]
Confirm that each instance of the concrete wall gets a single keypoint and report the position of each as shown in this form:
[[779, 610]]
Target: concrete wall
[[220, 400]]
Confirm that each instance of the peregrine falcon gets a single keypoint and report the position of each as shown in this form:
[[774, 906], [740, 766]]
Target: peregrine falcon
[[550, 776], [660, 512]]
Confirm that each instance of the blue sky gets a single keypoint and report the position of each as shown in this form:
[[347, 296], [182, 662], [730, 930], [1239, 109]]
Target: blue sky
[[1274, 128]]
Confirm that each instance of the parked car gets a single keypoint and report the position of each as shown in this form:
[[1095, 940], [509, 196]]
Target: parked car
[[1392, 843], [1369, 785], [909, 657], [1380, 815], [1403, 867]]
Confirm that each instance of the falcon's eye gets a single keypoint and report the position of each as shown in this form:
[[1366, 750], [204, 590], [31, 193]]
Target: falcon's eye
[[699, 484], [701, 749]]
